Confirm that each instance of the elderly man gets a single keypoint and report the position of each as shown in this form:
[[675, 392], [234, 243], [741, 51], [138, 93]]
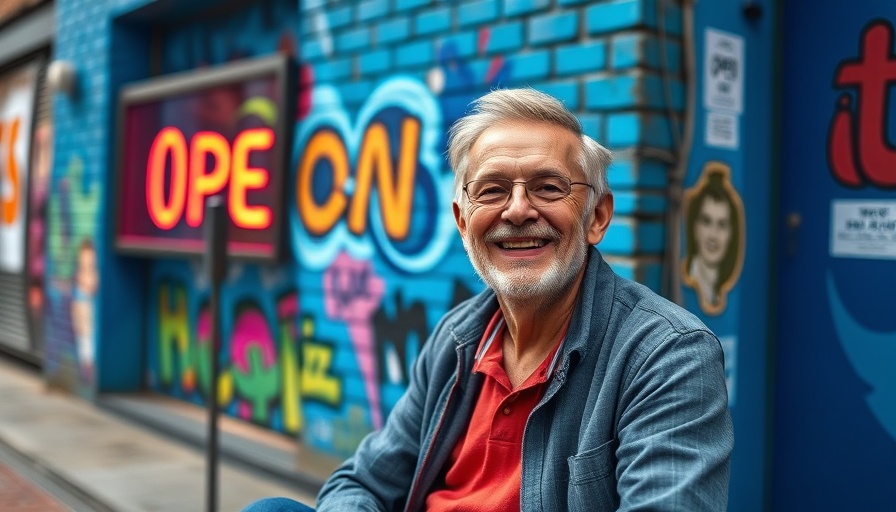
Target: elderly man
[[562, 386]]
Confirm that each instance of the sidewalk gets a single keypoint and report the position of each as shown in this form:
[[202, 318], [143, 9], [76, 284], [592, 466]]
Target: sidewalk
[[115, 463]]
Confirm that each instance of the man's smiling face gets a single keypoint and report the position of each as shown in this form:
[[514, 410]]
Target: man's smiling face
[[518, 249]]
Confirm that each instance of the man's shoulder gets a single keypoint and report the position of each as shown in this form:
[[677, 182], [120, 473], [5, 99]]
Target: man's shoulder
[[643, 305], [466, 321]]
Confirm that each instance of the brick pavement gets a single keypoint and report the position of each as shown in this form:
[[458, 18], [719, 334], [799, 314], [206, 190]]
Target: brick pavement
[[21, 495]]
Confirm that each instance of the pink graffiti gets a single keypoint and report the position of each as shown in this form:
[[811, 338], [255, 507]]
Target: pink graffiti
[[251, 327], [352, 294]]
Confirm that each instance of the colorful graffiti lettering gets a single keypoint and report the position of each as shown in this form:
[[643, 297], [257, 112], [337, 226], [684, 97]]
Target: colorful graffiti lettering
[[352, 292], [858, 150], [264, 377], [407, 215]]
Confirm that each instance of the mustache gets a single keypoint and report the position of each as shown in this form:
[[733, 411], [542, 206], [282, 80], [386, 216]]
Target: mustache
[[505, 231]]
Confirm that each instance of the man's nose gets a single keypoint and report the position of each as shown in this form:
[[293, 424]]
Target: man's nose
[[518, 208]]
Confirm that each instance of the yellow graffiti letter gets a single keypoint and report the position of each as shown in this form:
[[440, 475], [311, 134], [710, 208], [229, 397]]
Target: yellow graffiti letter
[[319, 219]]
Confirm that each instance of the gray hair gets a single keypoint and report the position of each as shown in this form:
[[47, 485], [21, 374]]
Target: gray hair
[[523, 104]]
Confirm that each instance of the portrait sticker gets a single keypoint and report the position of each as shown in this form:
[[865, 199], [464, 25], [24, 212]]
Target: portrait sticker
[[863, 229], [714, 237]]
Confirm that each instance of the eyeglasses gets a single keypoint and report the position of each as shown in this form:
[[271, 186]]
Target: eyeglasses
[[541, 190]]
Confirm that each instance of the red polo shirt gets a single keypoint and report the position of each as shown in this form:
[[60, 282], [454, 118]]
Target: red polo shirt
[[485, 467]]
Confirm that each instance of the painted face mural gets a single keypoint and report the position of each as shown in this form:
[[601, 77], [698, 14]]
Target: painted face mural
[[715, 237]]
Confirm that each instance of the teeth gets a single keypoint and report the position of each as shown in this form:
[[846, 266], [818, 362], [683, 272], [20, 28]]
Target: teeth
[[525, 244]]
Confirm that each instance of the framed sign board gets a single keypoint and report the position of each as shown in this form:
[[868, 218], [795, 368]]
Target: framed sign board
[[185, 137]]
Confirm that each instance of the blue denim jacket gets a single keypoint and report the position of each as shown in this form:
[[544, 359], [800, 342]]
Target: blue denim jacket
[[634, 418]]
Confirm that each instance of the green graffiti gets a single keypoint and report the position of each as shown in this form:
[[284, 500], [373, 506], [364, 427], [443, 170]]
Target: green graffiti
[[174, 336], [68, 227], [291, 399], [259, 384], [262, 107]]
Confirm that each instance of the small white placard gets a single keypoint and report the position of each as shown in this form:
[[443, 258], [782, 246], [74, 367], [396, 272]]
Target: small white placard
[[863, 229], [723, 71], [722, 130]]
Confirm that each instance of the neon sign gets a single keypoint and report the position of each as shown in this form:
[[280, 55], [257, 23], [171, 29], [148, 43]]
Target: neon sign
[[190, 136]]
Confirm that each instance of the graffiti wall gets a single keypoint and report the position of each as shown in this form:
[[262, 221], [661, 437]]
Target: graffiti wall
[[72, 277], [322, 344]]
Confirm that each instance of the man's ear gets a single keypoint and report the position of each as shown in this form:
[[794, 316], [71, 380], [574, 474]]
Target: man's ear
[[459, 219], [603, 213]]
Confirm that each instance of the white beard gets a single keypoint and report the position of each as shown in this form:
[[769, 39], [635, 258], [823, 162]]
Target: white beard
[[520, 283]]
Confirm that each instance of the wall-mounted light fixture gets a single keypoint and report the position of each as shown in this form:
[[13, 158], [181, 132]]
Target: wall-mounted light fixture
[[61, 77]]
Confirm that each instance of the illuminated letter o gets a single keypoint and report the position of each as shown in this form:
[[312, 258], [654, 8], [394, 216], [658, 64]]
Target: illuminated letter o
[[169, 140]]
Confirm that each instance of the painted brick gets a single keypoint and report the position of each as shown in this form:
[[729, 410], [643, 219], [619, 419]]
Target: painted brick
[[629, 129], [435, 20], [460, 45], [637, 90], [414, 54], [307, 5], [311, 49], [396, 29], [520, 7], [643, 50], [612, 92], [477, 13], [354, 93], [370, 9], [630, 202], [580, 58], [333, 70], [552, 28], [504, 38], [671, 16], [407, 5], [627, 235], [615, 15], [530, 66], [353, 40], [592, 125], [374, 62], [338, 18], [567, 92], [630, 171]]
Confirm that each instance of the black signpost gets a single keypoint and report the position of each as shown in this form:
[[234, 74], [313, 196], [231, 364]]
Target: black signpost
[[216, 221]]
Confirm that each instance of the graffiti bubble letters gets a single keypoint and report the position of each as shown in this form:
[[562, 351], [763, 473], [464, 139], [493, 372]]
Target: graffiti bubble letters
[[858, 151], [375, 187], [375, 157]]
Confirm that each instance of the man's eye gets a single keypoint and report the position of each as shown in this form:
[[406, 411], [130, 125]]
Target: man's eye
[[492, 190], [549, 188]]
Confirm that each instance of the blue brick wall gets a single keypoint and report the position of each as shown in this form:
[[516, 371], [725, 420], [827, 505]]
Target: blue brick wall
[[603, 58]]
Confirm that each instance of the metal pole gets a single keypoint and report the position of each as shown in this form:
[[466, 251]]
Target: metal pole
[[216, 264]]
